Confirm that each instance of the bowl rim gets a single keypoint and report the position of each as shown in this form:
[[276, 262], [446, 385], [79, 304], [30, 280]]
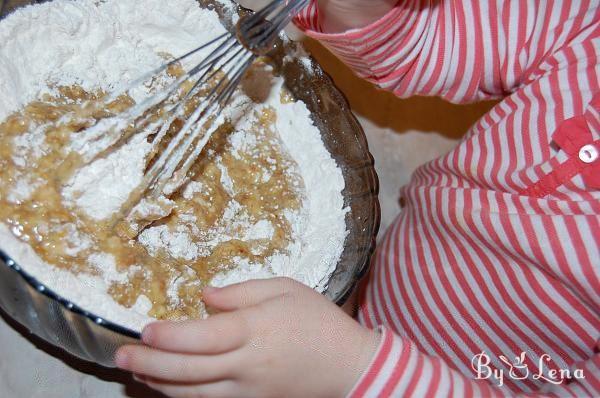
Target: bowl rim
[[128, 332], [65, 303]]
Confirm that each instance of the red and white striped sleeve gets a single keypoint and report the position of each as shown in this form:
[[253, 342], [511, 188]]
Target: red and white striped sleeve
[[399, 369], [544, 53], [463, 51]]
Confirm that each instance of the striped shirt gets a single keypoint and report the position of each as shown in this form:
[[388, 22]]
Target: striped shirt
[[488, 282]]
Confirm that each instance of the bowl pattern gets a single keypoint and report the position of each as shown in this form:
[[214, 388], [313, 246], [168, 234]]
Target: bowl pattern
[[89, 337]]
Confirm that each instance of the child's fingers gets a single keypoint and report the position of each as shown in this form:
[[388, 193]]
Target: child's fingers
[[178, 368], [248, 294], [218, 334], [220, 389]]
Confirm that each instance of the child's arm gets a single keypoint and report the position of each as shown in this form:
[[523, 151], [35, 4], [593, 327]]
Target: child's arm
[[399, 369], [278, 338], [463, 51], [467, 50]]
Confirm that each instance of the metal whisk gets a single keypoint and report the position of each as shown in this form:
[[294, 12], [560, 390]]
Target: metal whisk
[[226, 64]]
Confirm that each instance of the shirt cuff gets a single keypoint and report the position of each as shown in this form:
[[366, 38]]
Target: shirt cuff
[[381, 376], [370, 49]]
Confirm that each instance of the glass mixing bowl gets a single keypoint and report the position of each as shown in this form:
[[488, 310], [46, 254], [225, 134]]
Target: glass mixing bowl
[[87, 336]]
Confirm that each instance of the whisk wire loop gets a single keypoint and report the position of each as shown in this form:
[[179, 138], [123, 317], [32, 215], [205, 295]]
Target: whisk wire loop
[[214, 79]]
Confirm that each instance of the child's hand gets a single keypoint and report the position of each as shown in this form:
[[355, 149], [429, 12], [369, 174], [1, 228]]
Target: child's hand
[[274, 338], [341, 15]]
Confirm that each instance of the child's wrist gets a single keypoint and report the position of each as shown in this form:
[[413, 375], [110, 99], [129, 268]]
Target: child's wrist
[[364, 352], [341, 15]]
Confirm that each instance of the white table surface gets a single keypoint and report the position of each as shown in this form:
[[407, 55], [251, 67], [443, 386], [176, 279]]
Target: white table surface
[[402, 134]]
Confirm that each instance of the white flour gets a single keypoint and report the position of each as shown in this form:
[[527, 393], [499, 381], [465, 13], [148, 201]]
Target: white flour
[[106, 184], [104, 45]]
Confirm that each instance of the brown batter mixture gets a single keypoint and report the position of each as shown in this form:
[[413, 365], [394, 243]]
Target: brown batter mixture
[[266, 186]]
